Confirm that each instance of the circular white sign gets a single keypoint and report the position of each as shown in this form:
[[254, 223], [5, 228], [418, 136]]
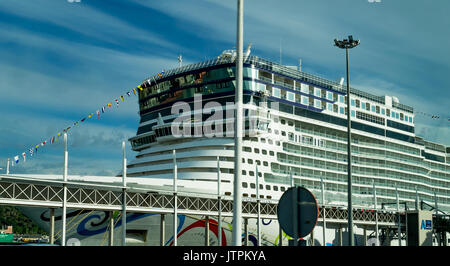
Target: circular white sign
[[73, 242]]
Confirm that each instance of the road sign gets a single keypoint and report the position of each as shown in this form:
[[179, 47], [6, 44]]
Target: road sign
[[297, 212]]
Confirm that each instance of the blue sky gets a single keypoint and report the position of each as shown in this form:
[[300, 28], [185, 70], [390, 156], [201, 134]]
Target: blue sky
[[60, 61]]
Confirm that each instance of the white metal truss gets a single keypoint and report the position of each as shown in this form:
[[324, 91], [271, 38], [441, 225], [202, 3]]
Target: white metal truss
[[86, 196]]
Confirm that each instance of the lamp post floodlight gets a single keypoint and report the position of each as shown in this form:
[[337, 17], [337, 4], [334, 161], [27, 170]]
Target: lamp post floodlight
[[348, 44]]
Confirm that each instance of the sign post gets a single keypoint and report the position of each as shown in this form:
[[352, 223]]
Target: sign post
[[297, 213]]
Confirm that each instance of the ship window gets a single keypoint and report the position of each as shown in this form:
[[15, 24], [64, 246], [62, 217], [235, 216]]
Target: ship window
[[261, 186], [329, 95], [252, 185], [262, 140], [267, 187], [290, 96], [271, 153], [244, 172], [258, 162], [282, 188], [245, 195], [249, 161], [256, 150], [265, 163], [244, 185], [276, 92], [283, 122], [270, 141], [264, 152], [275, 188], [251, 173]]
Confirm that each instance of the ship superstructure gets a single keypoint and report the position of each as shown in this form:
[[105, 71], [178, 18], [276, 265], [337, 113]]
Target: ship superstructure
[[298, 137]]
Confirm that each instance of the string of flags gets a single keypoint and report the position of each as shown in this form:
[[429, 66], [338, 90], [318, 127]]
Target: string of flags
[[432, 116], [134, 91]]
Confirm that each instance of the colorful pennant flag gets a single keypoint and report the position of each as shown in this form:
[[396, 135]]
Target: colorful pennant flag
[[24, 157], [16, 159]]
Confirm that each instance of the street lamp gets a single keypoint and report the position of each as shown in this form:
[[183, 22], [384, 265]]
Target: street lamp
[[348, 44]]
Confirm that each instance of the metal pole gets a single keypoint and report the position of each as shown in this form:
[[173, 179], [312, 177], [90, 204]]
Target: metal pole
[[162, 230], [207, 230], [7, 167], [219, 202], [175, 199], [111, 228], [399, 225], [258, 202], [246, 231], [237, 197], [281, 234], [64, 207], [52, 226], [295, 201], [436, 212], [349, 162], [124, 196], [323, 212], [376, 212]]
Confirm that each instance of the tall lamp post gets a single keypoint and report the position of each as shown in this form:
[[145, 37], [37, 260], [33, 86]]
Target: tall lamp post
[[348, 44], [237, 197]]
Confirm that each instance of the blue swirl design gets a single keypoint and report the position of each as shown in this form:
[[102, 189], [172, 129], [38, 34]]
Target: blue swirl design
[[84, 231], [181, 220], [251, 238], [264, 223]]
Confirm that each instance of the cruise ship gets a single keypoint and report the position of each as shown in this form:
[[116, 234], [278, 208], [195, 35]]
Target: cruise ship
[[295, 134]]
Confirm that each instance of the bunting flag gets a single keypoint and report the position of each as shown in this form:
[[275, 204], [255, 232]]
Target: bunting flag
[[53, 139]]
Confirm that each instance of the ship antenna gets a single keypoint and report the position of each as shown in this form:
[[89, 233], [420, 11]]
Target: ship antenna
[[180, 60]]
